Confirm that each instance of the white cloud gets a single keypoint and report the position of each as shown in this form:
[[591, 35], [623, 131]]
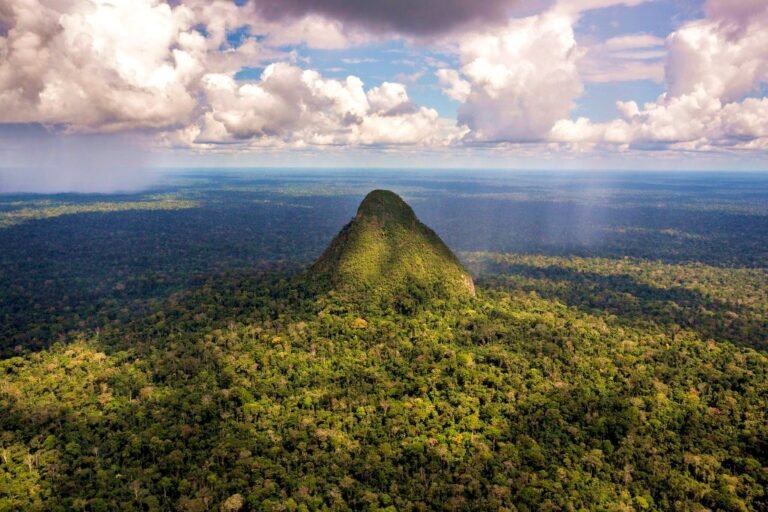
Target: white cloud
[[711, 65], [727, 64], [388, 99], [217, 16], [313, 30], [579, 6], [624, 58], [292, 106], [518, 80], [515, 82], [453, 85], [633, 41], [690, 121], [167, 68], [109, 65], [85, 66]]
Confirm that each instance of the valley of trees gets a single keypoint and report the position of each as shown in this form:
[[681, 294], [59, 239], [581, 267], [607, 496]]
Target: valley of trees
[[178, 360]]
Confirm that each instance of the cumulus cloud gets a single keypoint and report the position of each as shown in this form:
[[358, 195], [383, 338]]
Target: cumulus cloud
[[169, 68], [708, 54], [289, 105], [111, 65], [692, 121], [712, 64], [312, 29], [453, 85], [81, 63], [516, 81]]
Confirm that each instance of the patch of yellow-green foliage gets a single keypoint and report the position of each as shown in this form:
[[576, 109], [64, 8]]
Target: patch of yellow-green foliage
[[743, 286], [51, 210], [719, 303]]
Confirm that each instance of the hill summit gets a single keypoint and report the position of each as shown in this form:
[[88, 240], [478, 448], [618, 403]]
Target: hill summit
[[385, 252]]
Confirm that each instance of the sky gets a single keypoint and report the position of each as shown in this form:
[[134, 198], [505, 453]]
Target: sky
[[92, 91]]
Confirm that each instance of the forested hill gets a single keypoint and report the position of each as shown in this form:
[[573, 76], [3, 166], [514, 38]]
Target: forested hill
[[386, 253]]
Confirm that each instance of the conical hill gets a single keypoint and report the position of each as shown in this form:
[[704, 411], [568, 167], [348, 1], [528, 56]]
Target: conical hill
[[386, 252]]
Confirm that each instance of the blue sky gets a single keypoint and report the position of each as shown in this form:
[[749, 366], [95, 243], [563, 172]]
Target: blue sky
[[648, 84], [392, 59]]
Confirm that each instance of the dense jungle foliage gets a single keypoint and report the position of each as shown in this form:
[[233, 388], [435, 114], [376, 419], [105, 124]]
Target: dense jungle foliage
[[614, 357]]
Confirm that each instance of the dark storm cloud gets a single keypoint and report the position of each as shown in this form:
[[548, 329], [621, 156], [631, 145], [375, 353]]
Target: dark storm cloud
[[416, 17]]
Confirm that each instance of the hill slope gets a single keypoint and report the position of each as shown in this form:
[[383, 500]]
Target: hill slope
[[385, 251]]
